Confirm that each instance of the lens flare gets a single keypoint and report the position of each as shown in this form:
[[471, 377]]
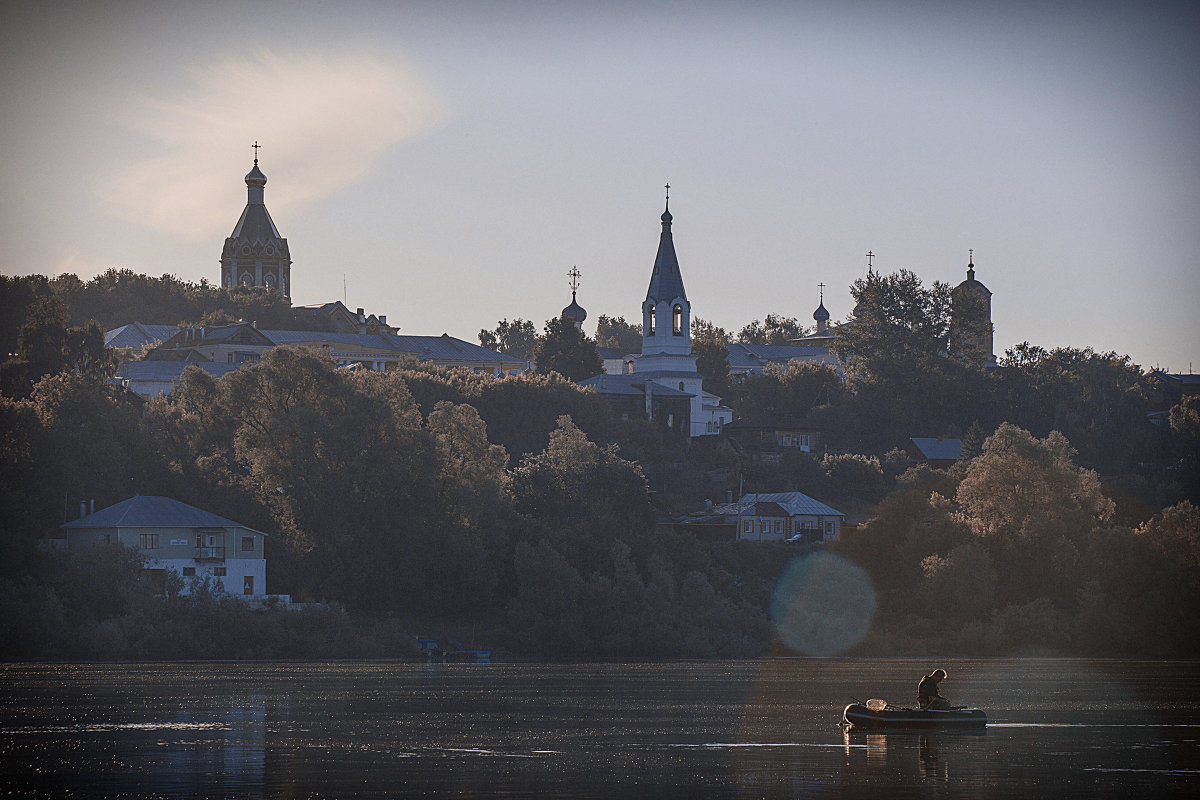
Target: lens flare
[[822, 605]]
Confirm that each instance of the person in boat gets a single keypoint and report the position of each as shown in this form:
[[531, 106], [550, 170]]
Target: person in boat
[[927, 691]]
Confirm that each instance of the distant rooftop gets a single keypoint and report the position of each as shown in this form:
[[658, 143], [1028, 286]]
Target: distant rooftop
[[153, 512]]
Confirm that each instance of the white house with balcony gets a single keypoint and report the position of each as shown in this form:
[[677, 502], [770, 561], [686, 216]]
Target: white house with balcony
[[175, 537]]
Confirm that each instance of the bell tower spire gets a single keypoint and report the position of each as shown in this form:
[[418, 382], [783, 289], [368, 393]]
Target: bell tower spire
[[255, 254]]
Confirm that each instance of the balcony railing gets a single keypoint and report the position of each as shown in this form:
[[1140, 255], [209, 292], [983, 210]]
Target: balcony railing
[[210, 554]]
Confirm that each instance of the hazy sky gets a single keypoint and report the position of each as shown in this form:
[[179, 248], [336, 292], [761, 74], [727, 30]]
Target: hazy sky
[[452, 160]]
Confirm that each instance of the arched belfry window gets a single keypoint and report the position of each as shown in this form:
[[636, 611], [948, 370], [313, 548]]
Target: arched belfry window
[[247, 279], [651, 324], [677, 320], [269, 280]]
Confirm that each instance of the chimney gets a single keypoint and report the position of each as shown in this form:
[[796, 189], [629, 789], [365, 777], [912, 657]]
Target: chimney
[[82, 509], [729, 495], [383, 319], [92, 506]]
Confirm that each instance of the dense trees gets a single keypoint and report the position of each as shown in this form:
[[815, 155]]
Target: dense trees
[[419, 500], [711, 347], [566, 350], [616, 333], [517, 338], [120, 296], [1016, 551], [775, 329], [389, 506]]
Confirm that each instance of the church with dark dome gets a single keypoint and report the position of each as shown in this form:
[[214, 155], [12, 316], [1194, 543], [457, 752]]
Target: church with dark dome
[[255, 254]]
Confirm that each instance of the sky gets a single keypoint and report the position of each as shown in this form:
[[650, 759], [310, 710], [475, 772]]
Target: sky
[[446, 163]]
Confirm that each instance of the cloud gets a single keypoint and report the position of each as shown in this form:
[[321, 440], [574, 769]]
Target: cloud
[[323, 118]]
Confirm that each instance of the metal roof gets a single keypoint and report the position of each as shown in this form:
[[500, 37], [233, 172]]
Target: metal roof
[[935, 449], [437, 348], [630, 385], [136, 334], [153, 512], [796, 503], [666, 283], [256, 225]]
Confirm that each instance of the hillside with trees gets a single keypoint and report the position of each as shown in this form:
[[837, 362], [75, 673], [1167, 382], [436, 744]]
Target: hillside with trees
[[522, 513]]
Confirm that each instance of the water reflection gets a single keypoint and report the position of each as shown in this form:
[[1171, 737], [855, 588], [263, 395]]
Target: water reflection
[[929, 755], [694, 729]]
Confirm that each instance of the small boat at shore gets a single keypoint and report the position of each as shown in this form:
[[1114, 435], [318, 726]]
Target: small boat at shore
[[860, 715]]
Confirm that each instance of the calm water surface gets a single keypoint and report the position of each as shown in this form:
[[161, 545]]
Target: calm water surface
[[723, 729]]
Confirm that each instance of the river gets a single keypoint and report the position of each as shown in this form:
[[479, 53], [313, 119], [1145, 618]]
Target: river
[[696, 729]]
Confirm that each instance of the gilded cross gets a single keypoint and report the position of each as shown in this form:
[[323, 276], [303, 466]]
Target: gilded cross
[[821, 286], [256, 145], [870, 256], [574, 274]]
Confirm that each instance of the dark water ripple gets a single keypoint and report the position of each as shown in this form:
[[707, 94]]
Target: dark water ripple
[[729, 729]]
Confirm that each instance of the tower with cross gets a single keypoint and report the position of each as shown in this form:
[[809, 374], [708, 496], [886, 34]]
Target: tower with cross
[[255, 255], [821, 315], [971, 320], [574, 313]]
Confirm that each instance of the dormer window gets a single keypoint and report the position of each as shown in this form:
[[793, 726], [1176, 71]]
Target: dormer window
[[677, 320]]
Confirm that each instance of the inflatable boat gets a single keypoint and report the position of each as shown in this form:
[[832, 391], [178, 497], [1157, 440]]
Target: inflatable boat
[[860, 716]]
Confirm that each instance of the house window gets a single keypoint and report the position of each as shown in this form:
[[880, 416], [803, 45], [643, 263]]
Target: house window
[[108, 538], [248, 585], [218, 572], [148, 541], [748, 526], [189, 572], [247, 544], [779, 526], [677, 320]]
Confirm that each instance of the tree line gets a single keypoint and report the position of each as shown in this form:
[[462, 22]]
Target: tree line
[[514, 509]]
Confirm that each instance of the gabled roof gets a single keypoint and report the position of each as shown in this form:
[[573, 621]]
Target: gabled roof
[[796, 503], [233, 333], [936, 449], [770, 510], [437, 348], [135, 334], [629, 385], [153, 512], [758, 355]]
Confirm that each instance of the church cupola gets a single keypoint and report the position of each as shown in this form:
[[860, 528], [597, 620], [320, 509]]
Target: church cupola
[[574, 313], [666, 314], [971, 319], [255, 254], [821, 315]]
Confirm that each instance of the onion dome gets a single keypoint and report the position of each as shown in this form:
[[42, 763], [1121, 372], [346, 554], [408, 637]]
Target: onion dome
[[574, 313], [821, 315], [255, 176]]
